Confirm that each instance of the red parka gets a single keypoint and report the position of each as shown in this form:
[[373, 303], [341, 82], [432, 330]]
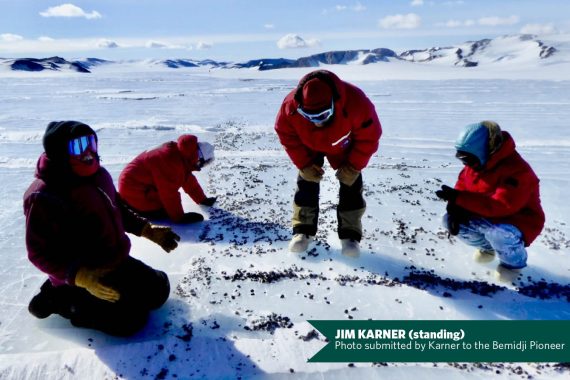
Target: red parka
[[350, 138], [505, 191], [74, 222], [151, 181]]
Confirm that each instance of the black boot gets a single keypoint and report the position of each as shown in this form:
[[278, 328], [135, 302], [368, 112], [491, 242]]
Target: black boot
[[53, 300], [43, 304]]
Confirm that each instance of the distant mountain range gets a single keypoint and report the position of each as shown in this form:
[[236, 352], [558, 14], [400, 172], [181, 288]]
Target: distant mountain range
[[41, 64], [516, 48], [487, 51]]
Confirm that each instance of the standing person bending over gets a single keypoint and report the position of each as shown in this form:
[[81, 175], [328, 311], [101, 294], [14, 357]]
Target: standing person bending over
[[327, 117], [75, 233], [150, 182], [495, 205]]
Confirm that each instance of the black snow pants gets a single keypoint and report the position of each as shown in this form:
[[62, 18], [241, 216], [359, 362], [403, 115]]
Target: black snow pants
[[141, 287]]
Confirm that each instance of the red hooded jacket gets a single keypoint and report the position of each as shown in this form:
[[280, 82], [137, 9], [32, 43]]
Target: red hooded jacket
[[505, 191], [151, 181], [350, 137], [74, 222]]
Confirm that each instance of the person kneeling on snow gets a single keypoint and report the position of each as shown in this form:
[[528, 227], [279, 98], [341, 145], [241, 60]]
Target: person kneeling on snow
[[76, 226], [150, 183], [495, 205]]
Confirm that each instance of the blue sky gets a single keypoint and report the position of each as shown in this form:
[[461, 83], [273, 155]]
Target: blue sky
[[237, 30]]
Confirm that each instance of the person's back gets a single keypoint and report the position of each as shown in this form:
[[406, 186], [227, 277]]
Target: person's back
[[158, 168], [150, 183]]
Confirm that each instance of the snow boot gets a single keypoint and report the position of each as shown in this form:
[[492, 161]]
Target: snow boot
[[300, 243], [483, 256], [506, 273], [53, 300], [350, 248], [43, 304]]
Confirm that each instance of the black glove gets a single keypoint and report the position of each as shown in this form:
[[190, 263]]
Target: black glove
[[455, 217], [161, 235], [447, 194], [191, 217], [209, 201]]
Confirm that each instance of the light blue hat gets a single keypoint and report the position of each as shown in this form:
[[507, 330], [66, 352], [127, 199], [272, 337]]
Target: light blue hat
[[474, 139]]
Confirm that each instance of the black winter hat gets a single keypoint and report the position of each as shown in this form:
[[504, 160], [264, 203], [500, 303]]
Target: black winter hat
[[58, 134]]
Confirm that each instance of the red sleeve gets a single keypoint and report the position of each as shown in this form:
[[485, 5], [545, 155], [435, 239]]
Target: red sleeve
[[44, 239], [506, 199], [460, 184], [366, 133], [133, 222], [297, 151], [193, 189]]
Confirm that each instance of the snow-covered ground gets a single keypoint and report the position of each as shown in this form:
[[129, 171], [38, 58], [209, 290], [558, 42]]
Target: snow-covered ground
[[240, 302]]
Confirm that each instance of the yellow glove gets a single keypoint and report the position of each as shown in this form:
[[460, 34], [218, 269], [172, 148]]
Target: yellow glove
[[312, 173], [90, 280], [161, 235], [347, 174]]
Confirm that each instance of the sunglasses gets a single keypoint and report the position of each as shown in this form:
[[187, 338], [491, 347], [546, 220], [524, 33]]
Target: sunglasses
[[467, 159], [318, 118], [79, 145]]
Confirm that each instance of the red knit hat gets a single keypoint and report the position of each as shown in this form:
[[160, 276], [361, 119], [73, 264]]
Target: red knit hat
[[317, 95], [188, 147]]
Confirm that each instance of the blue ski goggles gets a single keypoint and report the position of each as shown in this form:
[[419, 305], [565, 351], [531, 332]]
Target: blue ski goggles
[[318, 118], [79, 145]]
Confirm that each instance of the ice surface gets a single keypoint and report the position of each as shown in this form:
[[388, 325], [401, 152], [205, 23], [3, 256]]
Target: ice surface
[[244, 298]]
